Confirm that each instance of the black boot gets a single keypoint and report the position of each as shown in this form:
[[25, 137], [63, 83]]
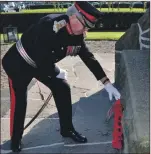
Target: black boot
[[16, 147], [75, 136]]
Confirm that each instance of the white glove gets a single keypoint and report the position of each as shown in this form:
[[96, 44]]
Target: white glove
[[62, 74], [112, 91]]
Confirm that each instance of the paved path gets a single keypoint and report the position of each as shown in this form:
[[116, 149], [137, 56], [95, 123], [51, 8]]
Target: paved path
[[90, 104]]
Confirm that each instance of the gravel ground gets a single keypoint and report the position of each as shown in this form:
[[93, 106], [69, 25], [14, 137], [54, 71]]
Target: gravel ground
[[4, 79], [94, 46]]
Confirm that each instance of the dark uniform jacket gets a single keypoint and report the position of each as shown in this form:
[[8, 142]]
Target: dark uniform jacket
[[47, 44]]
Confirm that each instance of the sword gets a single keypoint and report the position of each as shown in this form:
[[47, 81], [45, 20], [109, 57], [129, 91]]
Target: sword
[[42, 108]]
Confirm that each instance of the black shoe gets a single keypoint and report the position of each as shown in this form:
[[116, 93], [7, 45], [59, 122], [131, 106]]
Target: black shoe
[[16, 148], [75, 136]]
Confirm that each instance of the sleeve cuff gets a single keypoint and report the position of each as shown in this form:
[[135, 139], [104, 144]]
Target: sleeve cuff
[[57, 70]]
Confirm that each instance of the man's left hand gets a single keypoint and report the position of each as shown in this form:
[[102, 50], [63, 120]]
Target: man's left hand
[[62, 75]]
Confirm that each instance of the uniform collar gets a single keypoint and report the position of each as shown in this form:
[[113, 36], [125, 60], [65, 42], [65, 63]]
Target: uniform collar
[[69, 30]]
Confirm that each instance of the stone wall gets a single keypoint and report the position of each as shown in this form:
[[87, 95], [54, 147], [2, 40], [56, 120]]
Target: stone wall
[[137, 37], [132, 72], [133, 83]]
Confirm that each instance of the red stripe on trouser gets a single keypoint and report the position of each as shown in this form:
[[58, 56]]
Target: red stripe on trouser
[[12, 106]]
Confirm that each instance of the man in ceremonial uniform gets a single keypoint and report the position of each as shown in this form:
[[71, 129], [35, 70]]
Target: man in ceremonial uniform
[[35, 55]]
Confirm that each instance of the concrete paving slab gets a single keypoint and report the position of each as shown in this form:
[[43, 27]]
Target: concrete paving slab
[[5, 107], [69, 60], [85, 78], [95, 105], [51, 110], [5, 98], [40, 132], [33, 105], [89, 102], [108, 64], [34, 92], [5, 93], [5, 128], [5, 101], [133, 79], [102, 147], [97, 147], [106, 61], [87, 121], [90, 117], [52, 148], [94, 130], [45, 132], [70, 74]]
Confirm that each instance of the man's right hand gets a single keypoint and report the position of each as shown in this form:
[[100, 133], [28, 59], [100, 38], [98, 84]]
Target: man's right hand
[[62, 75], [112, 91]]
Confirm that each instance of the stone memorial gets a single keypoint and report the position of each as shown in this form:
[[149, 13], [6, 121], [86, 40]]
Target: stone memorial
[[132, 59], [137, 37]]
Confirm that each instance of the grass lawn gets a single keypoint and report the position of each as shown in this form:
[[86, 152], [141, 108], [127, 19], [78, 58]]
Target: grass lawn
[[96, 35], [64, 10], [104, 35]]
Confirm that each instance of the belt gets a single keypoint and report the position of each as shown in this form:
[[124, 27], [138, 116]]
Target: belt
[[24, 54]]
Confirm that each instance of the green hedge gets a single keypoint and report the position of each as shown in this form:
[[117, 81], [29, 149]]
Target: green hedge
[[110, 21], [64, 10], [95, 35]]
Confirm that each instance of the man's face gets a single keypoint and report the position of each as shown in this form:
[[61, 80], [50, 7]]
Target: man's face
[[86, 23], [80, 25], [77, 25]]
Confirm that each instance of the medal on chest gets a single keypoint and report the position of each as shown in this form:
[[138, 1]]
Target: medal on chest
[[73, 50]]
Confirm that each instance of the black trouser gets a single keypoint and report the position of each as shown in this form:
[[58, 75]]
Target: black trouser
[[20, 74]]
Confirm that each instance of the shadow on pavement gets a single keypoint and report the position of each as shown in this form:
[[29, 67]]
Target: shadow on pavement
[[88, 118]]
